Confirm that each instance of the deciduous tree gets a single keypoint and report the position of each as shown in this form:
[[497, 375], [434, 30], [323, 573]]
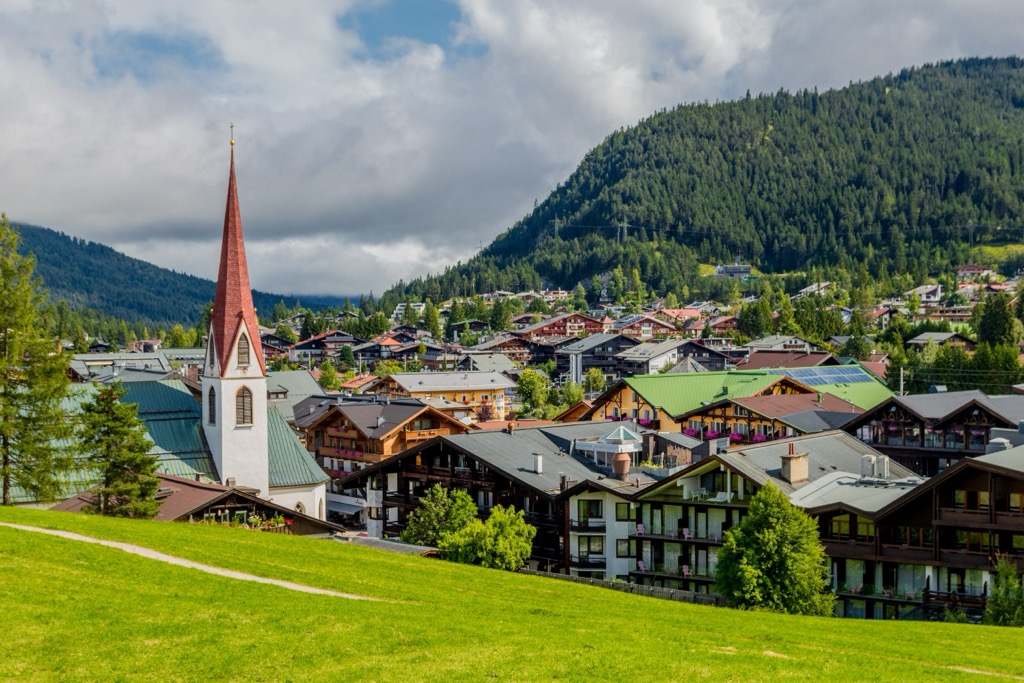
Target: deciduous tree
[[441, 512], [774, 560], [504, 541]]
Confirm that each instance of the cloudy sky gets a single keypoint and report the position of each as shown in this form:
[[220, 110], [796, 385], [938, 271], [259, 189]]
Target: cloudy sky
[[385, 139]]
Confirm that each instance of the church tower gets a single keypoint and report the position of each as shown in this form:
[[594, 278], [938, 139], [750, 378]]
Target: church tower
[[234, 373]]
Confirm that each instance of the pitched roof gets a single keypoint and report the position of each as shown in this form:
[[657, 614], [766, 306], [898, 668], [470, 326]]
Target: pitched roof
[[679, 393], [592, 341], [290, 464], [419, 382], [828, 452], [232, 304], [770, 358]]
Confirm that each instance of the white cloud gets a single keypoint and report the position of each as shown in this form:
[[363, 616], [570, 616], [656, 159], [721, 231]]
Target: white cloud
[[354, 173]]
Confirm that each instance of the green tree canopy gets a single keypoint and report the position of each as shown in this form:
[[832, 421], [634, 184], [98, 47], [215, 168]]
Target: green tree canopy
[[115, 441], [33, 382], [329, 376], [774, 560], [504, 541], [441, 512], [532, 389], [1005, 605]]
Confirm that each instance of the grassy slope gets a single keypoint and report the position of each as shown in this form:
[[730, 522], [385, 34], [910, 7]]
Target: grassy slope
[[75, 611]]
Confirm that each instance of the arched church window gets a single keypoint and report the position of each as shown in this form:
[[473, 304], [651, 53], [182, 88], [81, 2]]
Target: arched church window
[[243, 407], [211, 408], [243, 350]]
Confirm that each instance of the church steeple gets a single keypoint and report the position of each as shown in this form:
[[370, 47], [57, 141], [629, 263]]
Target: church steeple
[[233, 311]]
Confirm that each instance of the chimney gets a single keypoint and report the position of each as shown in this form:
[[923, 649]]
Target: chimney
[[230, 481], [620, 466], [538, 463], [562, 481], [511, 428], [380, 420], [794, 466], [867, 465]]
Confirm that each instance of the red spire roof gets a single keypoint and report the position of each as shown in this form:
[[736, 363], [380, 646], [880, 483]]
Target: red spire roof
[[232, 304]]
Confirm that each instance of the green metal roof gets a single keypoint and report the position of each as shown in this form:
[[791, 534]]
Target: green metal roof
[[173, 420], [678, 393], [290, 462]]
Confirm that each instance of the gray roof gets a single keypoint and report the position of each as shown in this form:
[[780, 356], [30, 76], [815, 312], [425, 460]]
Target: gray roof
[[936, 337], [419, 382], [683, 440], [828, 452], [513, 454], [848, 490], [489, 362], [298, 383], [649, 350], [1011, 459], [364, 416], [87, 364], [589, 342], [816, 420], [935, 406]]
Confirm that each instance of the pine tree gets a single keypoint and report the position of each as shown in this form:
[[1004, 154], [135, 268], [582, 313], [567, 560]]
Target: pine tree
[[33, 383], [115, 441]]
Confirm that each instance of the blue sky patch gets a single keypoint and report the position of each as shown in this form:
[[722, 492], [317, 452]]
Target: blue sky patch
[[426, 21], [150, 57]]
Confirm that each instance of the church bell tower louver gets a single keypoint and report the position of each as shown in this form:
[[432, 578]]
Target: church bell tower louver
[[234, 378]]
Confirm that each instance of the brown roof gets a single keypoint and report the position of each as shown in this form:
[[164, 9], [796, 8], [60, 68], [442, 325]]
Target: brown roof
[[777, 405], [178, 497], [762, 359]]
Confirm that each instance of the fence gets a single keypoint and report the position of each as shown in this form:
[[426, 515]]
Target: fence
[[637, 589]]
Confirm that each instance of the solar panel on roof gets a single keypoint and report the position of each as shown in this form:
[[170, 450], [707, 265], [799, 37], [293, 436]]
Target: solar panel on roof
[[827, 375]]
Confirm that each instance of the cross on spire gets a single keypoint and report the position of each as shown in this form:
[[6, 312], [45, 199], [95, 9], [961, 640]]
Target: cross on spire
[[232, 134]]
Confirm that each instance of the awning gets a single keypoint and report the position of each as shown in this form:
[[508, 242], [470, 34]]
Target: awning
[[343, 508]]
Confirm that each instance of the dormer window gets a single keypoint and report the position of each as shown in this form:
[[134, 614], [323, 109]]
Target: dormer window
[[243, 350]]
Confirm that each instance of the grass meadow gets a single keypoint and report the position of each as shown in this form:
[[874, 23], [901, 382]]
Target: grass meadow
[[73, 611]]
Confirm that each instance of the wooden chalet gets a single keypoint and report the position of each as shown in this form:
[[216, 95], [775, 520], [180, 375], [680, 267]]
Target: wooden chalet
[[931, 547], [930, 432], [680, 521], [564, 325], [347, 435], [531, 469], [755, 419], [643, 327]]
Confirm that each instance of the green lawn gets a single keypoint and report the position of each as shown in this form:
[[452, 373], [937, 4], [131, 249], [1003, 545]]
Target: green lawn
[[75, 611]]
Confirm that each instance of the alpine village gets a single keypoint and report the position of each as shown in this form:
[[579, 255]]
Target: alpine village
[[764, 354]]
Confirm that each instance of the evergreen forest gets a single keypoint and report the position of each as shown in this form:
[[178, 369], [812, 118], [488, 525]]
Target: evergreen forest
[[882, 183]]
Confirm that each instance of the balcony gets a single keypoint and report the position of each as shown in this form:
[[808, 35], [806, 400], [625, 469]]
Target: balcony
[[344, 433], [905, 553], [680, 536], [963, 517], [414, 435], [968, 559], [850, 548], [685, 572], [350, 454], [588, 562], [595, 525]]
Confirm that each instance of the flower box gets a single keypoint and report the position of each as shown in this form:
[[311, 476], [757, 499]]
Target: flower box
[[735, 437], [711, 434], [759, 438]]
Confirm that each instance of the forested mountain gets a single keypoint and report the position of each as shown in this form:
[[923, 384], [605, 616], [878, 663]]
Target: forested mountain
[[92, 275], [883, 182]]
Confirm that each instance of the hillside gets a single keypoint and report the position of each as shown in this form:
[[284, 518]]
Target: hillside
[[894, 177], [75, 611], [92, 275]]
